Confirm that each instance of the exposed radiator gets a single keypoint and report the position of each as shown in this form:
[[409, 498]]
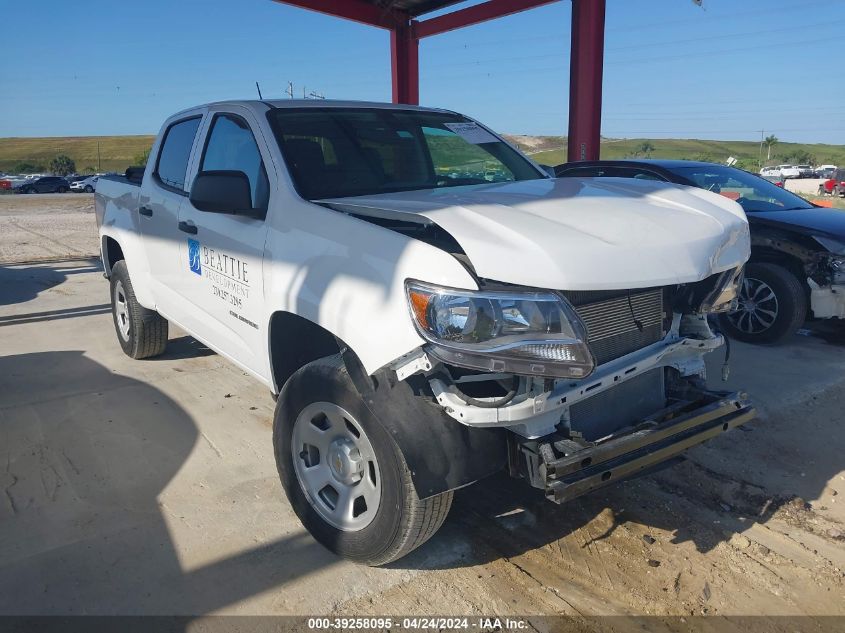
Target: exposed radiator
[[620, 406], [612, 320]]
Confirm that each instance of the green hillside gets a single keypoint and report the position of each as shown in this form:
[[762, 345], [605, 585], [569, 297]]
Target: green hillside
[[119, 152], [116, 152], [746, 152]]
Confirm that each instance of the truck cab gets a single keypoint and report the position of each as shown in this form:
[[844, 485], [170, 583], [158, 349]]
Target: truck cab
[[426, 304]]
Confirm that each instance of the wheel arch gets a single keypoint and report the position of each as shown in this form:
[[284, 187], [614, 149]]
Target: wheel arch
[[112, 253], [767, 255], [294, 341], [442, 454]]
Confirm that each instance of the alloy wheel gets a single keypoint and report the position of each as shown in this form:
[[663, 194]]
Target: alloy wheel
[[758, 307]]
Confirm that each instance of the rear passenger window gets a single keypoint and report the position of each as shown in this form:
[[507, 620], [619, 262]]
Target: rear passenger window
[[175, 151], [232, 147]]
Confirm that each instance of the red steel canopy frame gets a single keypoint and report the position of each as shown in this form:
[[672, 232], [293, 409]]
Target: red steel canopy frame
[[399, 17]]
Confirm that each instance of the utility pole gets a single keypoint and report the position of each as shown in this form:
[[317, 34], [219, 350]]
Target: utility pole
[[760, 159], [289, 91], [99, 169]]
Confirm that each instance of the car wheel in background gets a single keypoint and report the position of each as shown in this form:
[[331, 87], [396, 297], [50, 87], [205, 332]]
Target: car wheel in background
[[343, 473], [772, 305], [61, 190], [30, 190], [142, 333], [89, 189]]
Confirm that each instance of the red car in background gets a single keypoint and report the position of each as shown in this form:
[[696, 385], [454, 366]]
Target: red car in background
[[835, 185], [5, 183]]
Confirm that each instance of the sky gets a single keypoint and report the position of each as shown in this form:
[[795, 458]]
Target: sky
[[725, 70]]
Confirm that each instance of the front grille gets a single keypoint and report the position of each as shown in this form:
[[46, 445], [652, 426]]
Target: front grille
[[621, 406], [613, 320]]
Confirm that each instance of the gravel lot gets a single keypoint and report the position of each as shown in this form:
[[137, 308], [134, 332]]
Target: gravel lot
[[46, 226], [150, 488]]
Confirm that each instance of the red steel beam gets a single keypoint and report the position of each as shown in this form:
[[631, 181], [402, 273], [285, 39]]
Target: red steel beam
[[404, 64], [489, 10], [585, 79], [356, 10]]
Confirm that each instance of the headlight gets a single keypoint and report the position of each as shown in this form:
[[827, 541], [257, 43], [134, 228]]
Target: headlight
[[525, 333], [725, 293]]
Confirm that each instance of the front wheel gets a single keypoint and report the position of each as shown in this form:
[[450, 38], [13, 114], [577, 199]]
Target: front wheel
[[772, 305], [142, 333], [89, 189], [345, 477]]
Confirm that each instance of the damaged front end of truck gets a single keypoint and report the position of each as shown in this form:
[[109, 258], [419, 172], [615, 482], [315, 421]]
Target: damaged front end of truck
[[594, 386]]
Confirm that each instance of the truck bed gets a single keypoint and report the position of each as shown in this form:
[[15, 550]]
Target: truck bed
[[119, 191]]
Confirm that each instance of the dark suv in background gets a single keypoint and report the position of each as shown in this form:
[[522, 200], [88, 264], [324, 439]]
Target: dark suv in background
[[45, 184], [797, 265]]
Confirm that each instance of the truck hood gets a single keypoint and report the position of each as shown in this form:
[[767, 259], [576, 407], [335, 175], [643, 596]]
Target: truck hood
[[577, 233]]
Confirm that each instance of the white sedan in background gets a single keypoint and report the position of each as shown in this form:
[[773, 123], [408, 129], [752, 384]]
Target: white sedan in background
[[789, 171], [88, 185]]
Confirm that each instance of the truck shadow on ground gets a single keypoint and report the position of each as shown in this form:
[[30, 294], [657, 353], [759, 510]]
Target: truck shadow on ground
[[82, 527], [184, 347], [23, 282]]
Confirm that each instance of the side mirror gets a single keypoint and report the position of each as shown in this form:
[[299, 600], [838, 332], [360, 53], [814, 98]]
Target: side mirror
[[223, 191]]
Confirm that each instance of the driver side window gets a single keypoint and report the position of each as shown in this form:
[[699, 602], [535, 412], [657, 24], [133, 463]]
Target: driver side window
[[231, 146]]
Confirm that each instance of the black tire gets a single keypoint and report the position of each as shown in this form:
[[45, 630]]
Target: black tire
[[142, 333], [821, 191], [61, 190], [89, 189], [402, 521], [789, 305], [30, 190]]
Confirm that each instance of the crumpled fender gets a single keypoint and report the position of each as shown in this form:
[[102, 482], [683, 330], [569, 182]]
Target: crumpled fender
[[441, 453]]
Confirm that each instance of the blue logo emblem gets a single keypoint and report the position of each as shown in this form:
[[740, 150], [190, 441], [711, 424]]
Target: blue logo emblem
[[194, 257]]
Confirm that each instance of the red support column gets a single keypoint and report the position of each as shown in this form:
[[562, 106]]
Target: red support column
[[404, 64], [585, 77]]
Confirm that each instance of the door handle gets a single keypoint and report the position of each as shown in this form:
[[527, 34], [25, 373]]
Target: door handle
[[188, 227], [146, 211]]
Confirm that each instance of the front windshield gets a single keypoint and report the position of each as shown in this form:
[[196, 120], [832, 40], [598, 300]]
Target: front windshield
[[751, 192], [334, 152]]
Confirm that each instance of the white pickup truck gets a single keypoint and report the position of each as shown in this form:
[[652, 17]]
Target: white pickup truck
[[428, 306]]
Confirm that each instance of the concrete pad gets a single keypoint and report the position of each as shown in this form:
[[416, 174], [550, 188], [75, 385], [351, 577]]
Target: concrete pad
[[149, 487], [136, 487]]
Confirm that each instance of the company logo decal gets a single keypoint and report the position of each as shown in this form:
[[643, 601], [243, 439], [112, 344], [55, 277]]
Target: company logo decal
[[194, 262]]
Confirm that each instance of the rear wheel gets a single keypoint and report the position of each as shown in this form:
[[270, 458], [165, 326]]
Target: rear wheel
[[142, 333], [772, 305], [61, 190], [345, 477]]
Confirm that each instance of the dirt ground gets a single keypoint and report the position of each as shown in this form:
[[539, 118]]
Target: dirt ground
[[172, 505], [69, 218]]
